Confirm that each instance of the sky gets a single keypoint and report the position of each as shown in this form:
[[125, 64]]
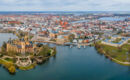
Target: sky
[[64, 5]]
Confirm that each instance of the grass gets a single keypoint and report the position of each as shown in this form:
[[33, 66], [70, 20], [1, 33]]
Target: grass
[[129, 41], [109, 37], [5, 61], [9, 60], [8, 65], [118, 53], [27, 67], [117, 40]]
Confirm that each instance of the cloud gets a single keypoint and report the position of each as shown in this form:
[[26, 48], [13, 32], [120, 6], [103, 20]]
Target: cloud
[[64, 5]]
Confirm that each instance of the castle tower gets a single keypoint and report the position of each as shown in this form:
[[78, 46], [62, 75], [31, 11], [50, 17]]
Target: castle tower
[[7, 47], [23, 47]]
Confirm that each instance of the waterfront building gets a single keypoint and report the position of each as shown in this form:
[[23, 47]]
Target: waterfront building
[[20, 46]]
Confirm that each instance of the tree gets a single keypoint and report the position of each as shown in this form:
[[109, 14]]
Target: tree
[[12, 69], [129, 50], [71, 37], [97, 45], [4, 45], [45, 51], [107, 51], [82, 37], [119, 49], [3, 48], [54, 48]]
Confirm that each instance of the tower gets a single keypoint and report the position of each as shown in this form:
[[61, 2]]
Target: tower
[[23, 47]]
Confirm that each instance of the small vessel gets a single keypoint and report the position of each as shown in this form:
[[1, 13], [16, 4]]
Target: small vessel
[[70, 46], [84, 46]]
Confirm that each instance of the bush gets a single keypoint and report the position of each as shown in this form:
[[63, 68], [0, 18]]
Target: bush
[[54, 50], [12, 69], [9, 66], [45, 51]]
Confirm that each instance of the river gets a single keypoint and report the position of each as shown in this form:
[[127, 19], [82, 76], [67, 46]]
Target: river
[[70, 64]]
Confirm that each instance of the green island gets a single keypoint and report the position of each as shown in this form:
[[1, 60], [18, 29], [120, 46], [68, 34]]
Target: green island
[[24, 54], [120, 54]]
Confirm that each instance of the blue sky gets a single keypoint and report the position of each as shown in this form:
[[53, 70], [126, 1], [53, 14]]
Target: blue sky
[[64, 5]]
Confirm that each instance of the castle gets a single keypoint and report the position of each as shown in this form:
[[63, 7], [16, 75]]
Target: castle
[[20, 46]]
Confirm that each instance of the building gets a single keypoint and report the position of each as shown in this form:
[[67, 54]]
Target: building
[[20, 46]]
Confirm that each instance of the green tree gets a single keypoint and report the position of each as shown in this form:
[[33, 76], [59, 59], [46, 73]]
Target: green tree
[[119, 49], [45, 51], [3, 48], [129, 50], [71, 37], [4, 45], [54, 48], [12, 69]]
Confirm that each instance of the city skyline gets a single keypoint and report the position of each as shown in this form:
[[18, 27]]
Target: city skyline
[[67, 5]]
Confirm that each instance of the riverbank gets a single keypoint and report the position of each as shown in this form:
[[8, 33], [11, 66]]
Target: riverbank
[[6, 31], [10, 66], [115, 60], [120, 55]]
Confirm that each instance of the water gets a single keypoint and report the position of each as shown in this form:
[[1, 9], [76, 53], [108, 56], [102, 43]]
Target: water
[[80, 21], [62, 12], [5, 36], [71, 64], [113, 18]]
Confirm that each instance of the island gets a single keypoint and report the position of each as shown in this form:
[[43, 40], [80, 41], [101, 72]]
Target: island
[[24, 54]]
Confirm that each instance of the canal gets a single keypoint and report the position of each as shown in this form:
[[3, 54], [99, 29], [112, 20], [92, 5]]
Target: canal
[[70, 64]]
